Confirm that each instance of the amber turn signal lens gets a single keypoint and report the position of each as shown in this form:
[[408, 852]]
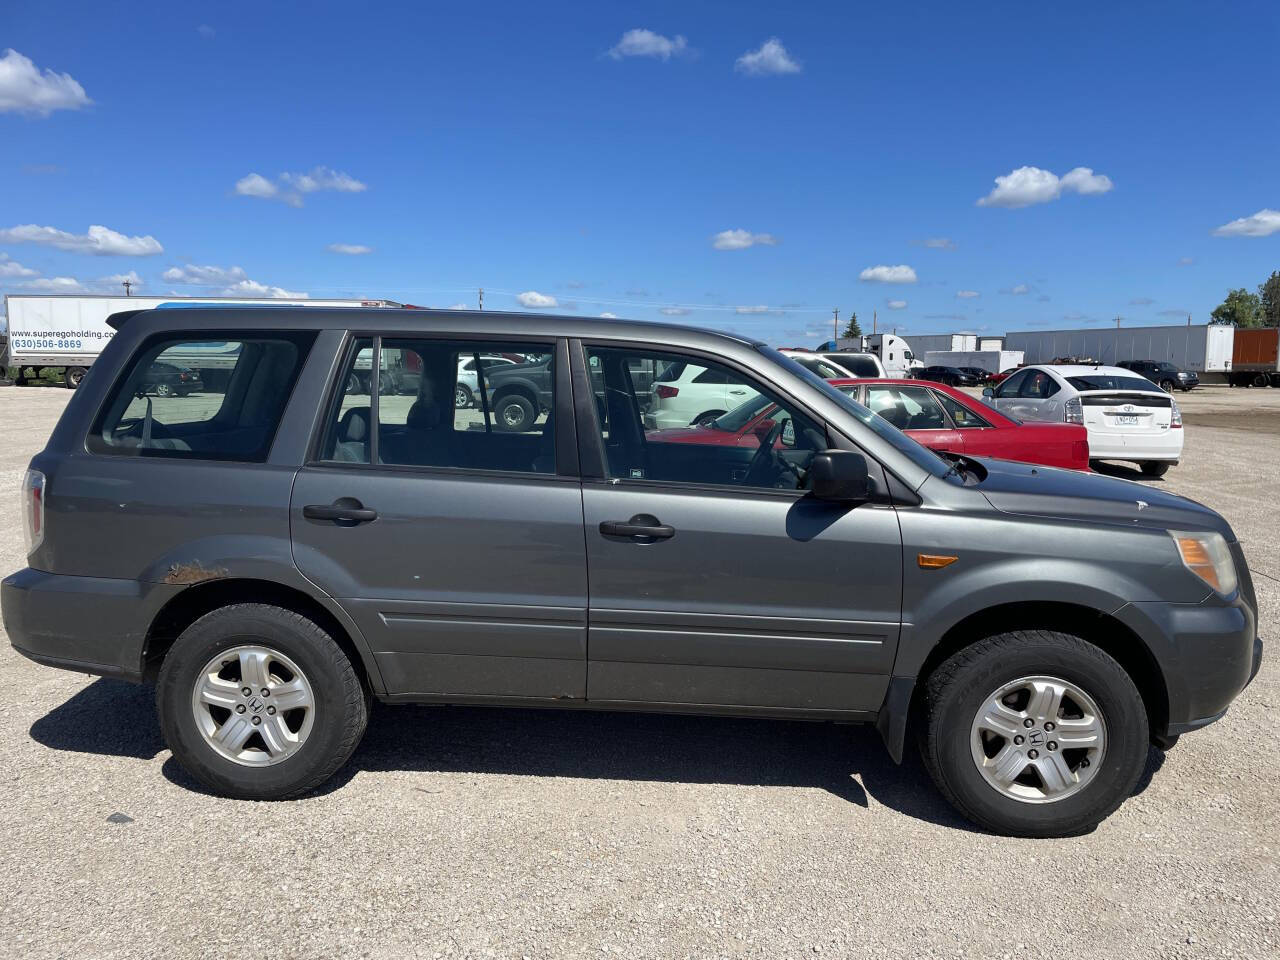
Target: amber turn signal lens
[[1196, 557], [933, 561], [1208, 557]]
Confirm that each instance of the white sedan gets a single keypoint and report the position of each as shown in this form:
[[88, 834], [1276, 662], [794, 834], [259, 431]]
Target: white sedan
[[1128, 417]]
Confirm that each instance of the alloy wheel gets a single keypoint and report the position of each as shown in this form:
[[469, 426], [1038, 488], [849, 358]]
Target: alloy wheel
[[253, 705], [1038, 739]]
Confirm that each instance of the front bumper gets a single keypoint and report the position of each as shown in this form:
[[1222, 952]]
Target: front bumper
[[88, 624], [1207, 653]]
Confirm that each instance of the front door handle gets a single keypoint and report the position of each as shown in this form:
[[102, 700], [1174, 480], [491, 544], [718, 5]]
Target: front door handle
[[346, 511], [640, 527]]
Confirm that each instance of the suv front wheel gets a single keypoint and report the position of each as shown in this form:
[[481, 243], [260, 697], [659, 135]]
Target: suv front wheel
[[1034, 733], [260, 703]]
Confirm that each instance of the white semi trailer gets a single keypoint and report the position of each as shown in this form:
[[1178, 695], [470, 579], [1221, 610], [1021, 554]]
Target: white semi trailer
[[992, 361], [61, 336], [1204, 349]]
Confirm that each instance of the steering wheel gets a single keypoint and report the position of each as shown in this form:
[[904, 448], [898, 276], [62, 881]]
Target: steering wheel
[[763, 456]]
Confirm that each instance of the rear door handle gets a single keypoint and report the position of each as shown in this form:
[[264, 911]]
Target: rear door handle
[[345, 510], [640, 527]]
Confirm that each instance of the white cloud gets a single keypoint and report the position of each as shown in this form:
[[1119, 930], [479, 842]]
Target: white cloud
[[1141, 302], [1026, 186], [108, 284], [535, 300], [940, 243], [1186, 261], [206, 31], [290, 187], [760, 308], [256, 185], [608, 316], [54, 285], [967, 294], [741, 239], [350, 249], [1261, 224], [12, 268], [899, 274], [896, 304], [674, 311], [252, 288], [770, 60], [199, 276], [99, 241], [646, 43], [24, 89], [233, 281], [1018, 290]]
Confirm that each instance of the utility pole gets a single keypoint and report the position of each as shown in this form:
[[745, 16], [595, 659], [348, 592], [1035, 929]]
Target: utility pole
[[835, 323], [127, 284], [482, 298], [1118, 319]]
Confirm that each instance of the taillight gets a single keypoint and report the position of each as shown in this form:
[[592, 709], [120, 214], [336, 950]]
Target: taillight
[[1080, 452], [33, 509], [1175, 418], [664, 392], [1073, 411]]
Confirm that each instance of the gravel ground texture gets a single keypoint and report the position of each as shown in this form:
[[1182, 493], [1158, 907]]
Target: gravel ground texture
[[459, 832]]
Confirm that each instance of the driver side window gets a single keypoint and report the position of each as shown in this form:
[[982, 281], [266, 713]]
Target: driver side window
[[700, 422]]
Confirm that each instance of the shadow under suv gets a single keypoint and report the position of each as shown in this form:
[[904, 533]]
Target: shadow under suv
[[275, 553]]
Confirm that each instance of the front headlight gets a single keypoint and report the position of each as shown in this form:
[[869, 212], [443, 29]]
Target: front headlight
[[1207, 556]]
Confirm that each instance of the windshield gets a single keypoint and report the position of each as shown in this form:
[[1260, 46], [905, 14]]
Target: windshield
[[922, 457], [1109, 381]]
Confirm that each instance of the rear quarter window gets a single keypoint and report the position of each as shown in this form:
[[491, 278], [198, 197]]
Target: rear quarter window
[[203, 397]]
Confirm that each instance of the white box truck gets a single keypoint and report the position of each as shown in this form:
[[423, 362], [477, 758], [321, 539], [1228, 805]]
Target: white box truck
[[61, 336], [1202, 348], [992, 361]]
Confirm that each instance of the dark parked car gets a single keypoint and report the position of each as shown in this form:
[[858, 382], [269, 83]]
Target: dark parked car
[[952, 376], [982, 375], [1033, 629], [166, 380], [1163, 374]]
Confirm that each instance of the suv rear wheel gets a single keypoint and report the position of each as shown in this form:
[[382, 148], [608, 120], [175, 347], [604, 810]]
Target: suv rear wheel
[[1034, 733], [260, 703]]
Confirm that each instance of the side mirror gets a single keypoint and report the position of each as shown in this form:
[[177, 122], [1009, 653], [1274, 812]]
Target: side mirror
[[839, 475], [988, 392]]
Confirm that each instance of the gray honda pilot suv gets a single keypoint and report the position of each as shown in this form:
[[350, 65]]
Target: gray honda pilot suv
[[281, 546]]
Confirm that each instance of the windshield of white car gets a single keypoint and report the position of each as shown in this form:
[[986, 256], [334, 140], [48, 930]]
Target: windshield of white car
[[921, 456], [1110, 381]]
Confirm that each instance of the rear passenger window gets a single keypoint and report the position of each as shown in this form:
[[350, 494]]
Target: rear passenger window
[[202, 399], [439, 403]]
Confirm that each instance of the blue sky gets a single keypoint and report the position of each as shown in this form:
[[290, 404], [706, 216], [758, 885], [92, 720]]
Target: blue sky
[[503, 145]]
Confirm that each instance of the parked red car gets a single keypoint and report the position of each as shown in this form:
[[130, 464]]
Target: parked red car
[[938, 416]]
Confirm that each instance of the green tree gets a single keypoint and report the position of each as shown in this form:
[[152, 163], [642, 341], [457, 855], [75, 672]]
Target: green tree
[[851, 329], [1240, 309], [1269, 296]]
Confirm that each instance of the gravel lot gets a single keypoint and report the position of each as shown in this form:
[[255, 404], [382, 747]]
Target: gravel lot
[[465, 832]]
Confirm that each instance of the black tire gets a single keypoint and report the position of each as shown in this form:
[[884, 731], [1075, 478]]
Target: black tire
[[341, 701], [704, 419], [1155, 468], [1166, 386], [514, 412], [72, 376], [354, 384], [462, 396], [958, 688]]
